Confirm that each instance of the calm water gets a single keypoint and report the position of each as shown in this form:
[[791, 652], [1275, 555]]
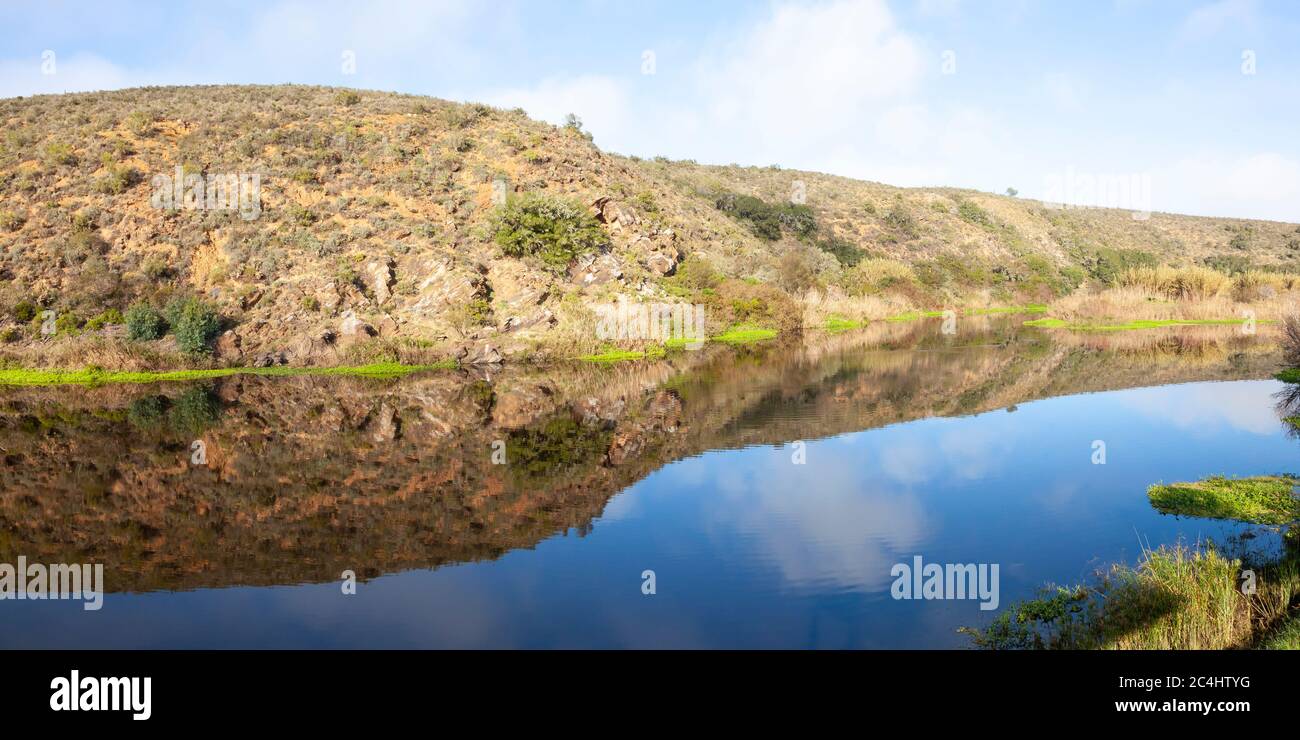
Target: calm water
[[974, 448]]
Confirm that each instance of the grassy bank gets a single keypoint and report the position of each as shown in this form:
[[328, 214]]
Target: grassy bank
[[27, 377], [736, 335], [1176, 598], [1260, 500], [1050, 323]]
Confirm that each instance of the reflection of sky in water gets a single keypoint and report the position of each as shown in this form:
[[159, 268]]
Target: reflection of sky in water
[[751, 550]]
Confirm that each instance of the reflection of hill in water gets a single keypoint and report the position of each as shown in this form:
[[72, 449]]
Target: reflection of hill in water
[[309, 476]]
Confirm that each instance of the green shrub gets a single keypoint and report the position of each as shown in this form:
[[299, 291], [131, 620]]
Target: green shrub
[[140, 124], [310, 303], [10, 221], [57, 153], [1107, 264], [846, 252], [118, 179], [347, 97], [110, 316], [194, 323], [25, 311], [901, 221], [143, 322], [972, 213], [556, 230], [67, 322]]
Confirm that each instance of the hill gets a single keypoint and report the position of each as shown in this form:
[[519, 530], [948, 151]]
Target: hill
[[344, 226]]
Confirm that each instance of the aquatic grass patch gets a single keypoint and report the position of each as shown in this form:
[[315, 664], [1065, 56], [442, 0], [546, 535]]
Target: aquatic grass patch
[[838, 324], [1175, 598], [1258, 500], [615, 355], [987, 311], [744, 335], [1050, 323], [95, 376]]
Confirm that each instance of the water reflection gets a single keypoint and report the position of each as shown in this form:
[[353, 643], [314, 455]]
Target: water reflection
[[966, 448]]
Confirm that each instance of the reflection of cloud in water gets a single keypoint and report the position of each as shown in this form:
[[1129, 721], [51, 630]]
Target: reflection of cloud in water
[[965, 453], [1245, 406], [827, 523]]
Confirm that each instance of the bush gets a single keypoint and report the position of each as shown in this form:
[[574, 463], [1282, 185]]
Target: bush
[[901, 221], [118, 179], [767, 220], [846, 252], [143, 322], [347, 97], [24, 311], [556, 230], [111, 316], [194, 323], [972, 213], [67, 322], [60, 154]]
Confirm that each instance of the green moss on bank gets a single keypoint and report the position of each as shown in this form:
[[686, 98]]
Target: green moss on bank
[[1260, 500], [27, 377]]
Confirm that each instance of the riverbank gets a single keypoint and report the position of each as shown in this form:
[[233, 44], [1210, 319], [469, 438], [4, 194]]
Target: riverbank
[[1178, 597], [95, 376]]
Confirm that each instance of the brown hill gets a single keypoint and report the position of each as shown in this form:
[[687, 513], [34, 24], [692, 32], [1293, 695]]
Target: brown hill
[[374, 233]]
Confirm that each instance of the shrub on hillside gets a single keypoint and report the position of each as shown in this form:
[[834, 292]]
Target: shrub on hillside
[[143, 322], [553, 229], [194, 323], [767, 220]]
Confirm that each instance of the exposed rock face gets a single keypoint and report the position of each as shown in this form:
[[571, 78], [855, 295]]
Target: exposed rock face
[[378, 275], [483, 354], [353, 329], [597, 270], [227, 347], [617, 216]]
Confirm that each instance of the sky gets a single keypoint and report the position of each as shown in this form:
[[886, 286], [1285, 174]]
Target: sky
[[1200, 101]]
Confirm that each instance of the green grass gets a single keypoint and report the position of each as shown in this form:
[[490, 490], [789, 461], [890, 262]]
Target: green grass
[[1260, 500], [1287, 637], [914, 315], [1176, 598], [27, 377], [744, 335], [992, 310], [615, 355], [1289, 376], [736, 335], [1048, 323], [839, 323], [1030, 308]]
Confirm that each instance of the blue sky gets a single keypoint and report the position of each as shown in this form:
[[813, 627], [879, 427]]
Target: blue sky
[[985, 94]]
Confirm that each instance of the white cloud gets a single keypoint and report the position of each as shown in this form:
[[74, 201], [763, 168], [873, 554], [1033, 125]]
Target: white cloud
[[601, 103], [73, 73], [1259, 185], [1210, 19]]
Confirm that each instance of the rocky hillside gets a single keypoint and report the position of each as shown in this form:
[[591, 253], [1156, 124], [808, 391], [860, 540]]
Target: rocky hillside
[[375, 230]]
